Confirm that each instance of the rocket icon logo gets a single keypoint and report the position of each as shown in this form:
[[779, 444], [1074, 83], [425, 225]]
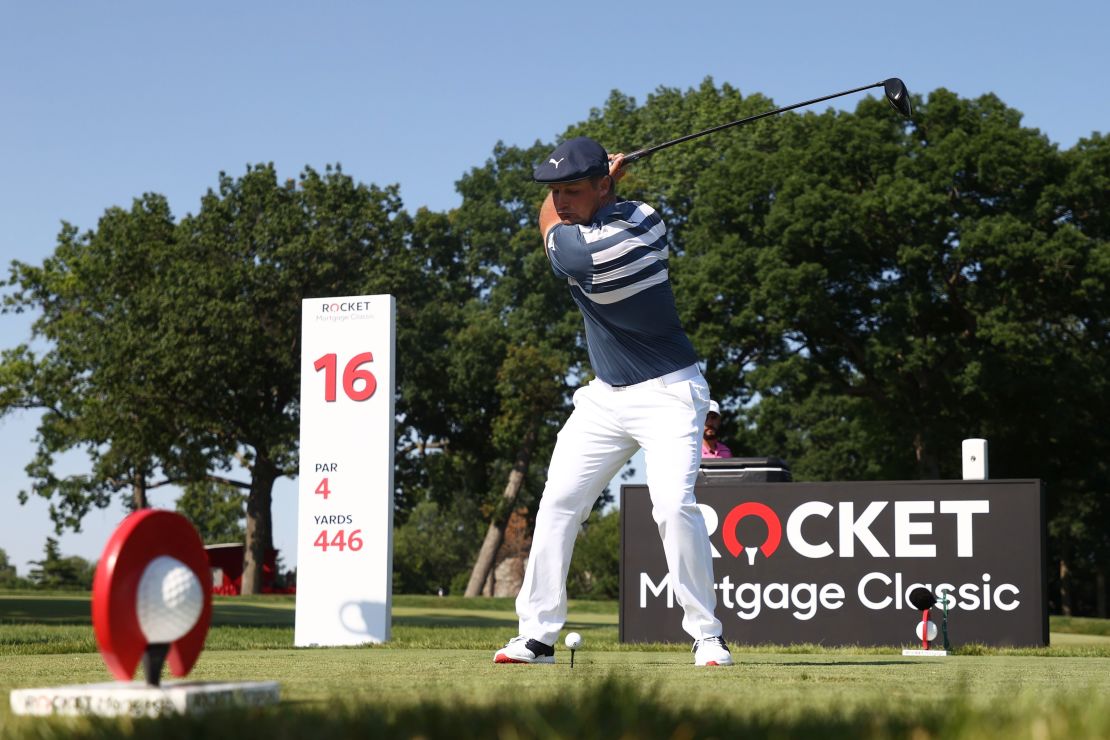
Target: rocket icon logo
[[769, 517], [152, 596]]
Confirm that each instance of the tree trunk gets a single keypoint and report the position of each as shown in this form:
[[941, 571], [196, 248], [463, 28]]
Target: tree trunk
[[1065, 589], [483, 566], [495, 535], [927, 466], [138, 490], [260, 537]]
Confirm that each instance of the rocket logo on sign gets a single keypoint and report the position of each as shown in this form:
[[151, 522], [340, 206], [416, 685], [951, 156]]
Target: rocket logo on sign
[[761, 511], [911, 520]]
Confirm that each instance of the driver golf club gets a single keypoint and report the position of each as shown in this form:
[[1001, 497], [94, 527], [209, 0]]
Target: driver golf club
[[894, 88]]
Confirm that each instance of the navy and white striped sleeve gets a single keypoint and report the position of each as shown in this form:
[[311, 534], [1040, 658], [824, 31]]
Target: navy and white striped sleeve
[[619, 257]]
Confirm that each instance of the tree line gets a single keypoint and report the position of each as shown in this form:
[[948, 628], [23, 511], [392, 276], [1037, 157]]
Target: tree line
[[865, 291]]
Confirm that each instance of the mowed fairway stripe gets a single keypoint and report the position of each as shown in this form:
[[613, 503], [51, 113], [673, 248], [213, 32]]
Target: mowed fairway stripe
[[415, 615]]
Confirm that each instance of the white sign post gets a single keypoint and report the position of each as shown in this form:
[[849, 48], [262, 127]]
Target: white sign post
[[345, 500]]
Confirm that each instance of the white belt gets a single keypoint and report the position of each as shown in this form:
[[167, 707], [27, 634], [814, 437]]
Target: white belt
[[686, 373]]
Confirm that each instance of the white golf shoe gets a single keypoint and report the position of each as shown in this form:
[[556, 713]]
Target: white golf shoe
[[521, 649], [712, 651]]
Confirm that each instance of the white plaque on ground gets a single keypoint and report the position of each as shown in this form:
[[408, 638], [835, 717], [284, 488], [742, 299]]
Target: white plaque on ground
[[345, 499], [122, 699]]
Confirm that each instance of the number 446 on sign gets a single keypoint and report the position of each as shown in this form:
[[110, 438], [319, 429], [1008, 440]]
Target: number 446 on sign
[[340, 540]]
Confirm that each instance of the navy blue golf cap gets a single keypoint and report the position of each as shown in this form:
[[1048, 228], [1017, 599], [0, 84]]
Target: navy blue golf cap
[[574, 159]]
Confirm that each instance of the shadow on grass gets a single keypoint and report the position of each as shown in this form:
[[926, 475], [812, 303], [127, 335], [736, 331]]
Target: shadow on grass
[[59, 610], [33, 608], [454, 620], [846, 663], [76, 610]]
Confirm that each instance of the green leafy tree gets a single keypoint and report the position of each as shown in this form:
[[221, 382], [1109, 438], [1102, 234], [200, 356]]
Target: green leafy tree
[[174, 348], [252, 252], [595, 569], [430, 402], [1079, 400], [431, 549], [9, 578], [519, 347], [58, 571], [524, 337], [215, 509], [889, 288], [102, 383], [867, 291]]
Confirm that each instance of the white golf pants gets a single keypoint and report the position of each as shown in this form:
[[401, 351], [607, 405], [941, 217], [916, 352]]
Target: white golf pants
[[665, 417]]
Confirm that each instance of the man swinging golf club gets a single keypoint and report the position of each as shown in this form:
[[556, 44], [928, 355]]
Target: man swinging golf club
[[648, 393]]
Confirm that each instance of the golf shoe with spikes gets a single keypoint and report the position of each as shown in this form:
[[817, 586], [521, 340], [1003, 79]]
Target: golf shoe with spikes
[[522, 649]]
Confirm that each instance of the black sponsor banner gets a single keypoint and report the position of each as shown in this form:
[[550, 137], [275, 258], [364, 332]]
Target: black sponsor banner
[[832, 563]]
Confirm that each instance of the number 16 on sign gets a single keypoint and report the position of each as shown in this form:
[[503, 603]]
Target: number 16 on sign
[[345, 493]]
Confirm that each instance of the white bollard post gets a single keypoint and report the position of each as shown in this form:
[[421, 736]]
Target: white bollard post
[[975, 459]]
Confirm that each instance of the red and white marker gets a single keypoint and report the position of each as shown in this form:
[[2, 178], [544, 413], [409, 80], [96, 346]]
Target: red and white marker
[[152, 596]]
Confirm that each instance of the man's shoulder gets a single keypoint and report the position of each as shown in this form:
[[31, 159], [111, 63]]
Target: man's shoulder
[[721, 450], [627, 219], [632, 211], [628, 222]]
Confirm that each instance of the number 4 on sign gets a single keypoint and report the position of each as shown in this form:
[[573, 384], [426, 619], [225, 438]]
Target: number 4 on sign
[[337, 541], [323, 489]]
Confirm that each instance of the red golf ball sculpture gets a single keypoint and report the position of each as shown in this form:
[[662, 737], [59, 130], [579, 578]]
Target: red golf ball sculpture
[[141, 539]]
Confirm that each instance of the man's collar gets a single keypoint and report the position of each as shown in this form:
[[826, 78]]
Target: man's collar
[[604, 211]]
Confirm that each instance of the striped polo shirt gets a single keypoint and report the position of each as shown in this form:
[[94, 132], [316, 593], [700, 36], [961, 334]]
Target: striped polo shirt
[[616, 268]]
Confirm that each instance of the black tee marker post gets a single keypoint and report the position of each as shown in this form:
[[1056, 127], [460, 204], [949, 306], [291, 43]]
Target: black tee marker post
[[944, 621], [154, 657]]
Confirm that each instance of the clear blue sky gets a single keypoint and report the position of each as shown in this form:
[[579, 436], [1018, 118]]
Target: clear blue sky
[[103, 101]]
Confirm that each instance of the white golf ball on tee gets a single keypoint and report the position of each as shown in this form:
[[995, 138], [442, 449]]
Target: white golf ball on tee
[[573, 640], [169, 600], [932, 630]]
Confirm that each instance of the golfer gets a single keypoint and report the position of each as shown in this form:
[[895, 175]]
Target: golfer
[[648, 393]]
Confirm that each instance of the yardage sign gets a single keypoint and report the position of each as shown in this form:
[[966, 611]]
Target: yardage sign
[[345, 500]]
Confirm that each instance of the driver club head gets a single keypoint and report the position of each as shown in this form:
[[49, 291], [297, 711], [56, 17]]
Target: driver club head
[[898, 96], [922, 598]]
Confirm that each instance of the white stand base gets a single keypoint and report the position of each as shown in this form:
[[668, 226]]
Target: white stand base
[[926, 653], [136, 699]]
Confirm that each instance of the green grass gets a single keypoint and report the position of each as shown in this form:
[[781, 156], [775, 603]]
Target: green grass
[[349, 692], [436, 679], [1081, 626], [41, 623]]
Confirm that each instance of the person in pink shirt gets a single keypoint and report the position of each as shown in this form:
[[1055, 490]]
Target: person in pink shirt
[[711, 445]]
